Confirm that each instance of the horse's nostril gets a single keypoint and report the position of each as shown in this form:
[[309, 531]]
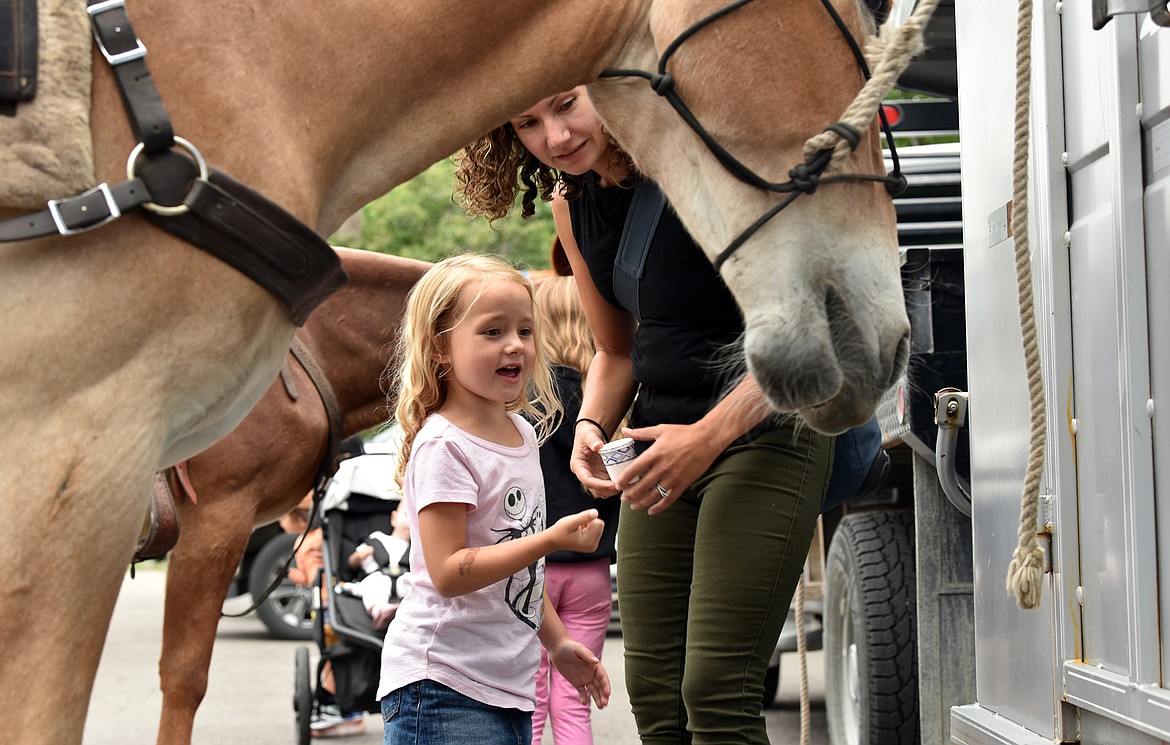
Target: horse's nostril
[[901, 357]]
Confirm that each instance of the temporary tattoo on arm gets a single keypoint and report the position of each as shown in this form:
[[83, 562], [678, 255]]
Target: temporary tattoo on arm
[[468, 560]]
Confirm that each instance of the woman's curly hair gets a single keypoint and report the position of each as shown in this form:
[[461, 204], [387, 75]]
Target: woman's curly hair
[[491, 170]]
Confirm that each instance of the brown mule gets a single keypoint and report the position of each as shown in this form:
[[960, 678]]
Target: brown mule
[[268, 463]]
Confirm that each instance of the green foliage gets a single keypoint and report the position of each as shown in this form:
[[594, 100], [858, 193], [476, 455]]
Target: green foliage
[[422, 219]]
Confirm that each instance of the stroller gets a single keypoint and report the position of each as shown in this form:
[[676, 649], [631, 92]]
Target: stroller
[[344, 631]]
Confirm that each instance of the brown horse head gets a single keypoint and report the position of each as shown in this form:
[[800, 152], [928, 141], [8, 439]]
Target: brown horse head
[[819, 285]]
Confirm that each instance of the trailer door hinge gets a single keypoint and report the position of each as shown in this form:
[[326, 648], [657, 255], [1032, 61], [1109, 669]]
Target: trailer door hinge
[[1104, 10]]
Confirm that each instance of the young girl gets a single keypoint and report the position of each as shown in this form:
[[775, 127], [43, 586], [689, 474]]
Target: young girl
[[460, 656]]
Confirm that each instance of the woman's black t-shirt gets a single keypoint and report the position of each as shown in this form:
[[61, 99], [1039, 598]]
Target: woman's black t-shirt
[[687, 314]]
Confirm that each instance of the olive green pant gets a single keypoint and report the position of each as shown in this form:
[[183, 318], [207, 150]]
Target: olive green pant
[[704, 587]]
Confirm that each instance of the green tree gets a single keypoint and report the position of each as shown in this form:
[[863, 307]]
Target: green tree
[[422, 219]]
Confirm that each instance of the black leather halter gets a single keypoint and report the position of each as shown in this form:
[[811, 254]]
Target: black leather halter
[[803, 178], [170, 182]]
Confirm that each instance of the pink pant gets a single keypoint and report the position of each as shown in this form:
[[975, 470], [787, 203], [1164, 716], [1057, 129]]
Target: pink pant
[[582, 596]]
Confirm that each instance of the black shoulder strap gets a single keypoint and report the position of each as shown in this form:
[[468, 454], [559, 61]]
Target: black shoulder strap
[[641, 222]]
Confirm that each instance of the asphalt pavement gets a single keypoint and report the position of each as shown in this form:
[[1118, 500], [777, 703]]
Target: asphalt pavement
[[250, 693]]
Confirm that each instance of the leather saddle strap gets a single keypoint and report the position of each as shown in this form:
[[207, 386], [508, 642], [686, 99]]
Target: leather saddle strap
[[225, 218], [78, 213], [160, 529], [127, 55], [260, 239], [332, 409]]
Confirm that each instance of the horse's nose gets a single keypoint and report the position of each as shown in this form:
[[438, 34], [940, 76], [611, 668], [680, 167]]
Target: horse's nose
[[900, 359]]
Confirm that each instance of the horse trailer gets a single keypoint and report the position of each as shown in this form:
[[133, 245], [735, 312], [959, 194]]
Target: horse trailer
[[924, 641]]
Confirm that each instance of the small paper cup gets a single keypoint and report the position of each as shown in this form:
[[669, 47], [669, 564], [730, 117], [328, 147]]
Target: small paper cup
[[617, 456]]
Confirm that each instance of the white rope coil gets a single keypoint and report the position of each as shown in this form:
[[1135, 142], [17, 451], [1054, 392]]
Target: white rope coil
[[1026, 571], [802, 652]]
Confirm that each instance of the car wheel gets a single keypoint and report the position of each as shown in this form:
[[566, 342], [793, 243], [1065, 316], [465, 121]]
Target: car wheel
[[288, 609], [303, 697], [870, 635]]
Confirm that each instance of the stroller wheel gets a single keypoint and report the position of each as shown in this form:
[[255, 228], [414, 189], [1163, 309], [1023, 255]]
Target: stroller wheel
[[303, 697]]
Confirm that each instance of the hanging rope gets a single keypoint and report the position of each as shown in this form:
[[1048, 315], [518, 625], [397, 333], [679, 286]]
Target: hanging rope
[[1026, 571], [892, 49], [802, 652]]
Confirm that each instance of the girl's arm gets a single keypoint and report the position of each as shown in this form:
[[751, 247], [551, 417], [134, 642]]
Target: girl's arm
[[457, 569], [573, 660]]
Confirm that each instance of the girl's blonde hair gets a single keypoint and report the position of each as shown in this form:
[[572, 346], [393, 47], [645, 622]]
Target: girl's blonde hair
[[567, 334], [493, 169], [431, 310]]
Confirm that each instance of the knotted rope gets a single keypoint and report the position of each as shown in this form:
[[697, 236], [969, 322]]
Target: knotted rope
[[802, 650], [1026, 570], [888, 54]]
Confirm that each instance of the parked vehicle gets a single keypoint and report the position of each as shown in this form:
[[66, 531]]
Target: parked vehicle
[[287, 612], [923, 642], [929, 234]]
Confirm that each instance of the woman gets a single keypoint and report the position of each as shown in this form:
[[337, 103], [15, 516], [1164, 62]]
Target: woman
[[722, 515]]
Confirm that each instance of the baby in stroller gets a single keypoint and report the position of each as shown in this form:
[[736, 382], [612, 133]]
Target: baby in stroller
[[384, 560], [364, 558]]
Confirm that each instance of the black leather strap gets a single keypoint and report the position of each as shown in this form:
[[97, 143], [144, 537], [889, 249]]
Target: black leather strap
[[257, 237], [181, 195], [332, 409], [78, 213], [127, 56]]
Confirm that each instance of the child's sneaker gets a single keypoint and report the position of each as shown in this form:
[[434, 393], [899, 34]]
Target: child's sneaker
[[330, 722]]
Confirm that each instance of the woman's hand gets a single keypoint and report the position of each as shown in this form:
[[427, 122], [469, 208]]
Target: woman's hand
[[586, 464], [583, 670], [679, 455]]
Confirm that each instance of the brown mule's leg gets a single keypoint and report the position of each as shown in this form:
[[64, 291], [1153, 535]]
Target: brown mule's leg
[[199, 571]]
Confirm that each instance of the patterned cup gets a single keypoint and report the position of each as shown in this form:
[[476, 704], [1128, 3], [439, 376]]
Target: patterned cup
[[616, 456]]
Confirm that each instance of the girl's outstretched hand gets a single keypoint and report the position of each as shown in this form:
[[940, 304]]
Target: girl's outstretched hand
[[583, 670], [579, 532]]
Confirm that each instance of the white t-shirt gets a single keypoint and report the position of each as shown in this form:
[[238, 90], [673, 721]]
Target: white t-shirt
[[482, 644]]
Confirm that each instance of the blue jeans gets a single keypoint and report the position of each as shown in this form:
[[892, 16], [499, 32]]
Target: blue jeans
[[430, 713]]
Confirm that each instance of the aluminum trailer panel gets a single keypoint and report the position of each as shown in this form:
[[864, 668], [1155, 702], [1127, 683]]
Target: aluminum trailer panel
[[1088, 666]]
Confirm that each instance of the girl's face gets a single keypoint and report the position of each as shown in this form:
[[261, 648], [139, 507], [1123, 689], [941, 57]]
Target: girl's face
[[491, 350], [564, 132]]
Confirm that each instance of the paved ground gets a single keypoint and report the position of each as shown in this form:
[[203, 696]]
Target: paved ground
[[249, 701]]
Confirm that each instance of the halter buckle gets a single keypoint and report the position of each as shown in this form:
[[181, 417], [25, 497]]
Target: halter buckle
[[114, 58], [81, 203]]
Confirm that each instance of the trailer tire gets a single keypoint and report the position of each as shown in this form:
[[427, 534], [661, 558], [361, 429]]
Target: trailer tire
[[870, 642]]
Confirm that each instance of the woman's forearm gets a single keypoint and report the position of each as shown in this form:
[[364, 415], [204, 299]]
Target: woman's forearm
[[609, 390]]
